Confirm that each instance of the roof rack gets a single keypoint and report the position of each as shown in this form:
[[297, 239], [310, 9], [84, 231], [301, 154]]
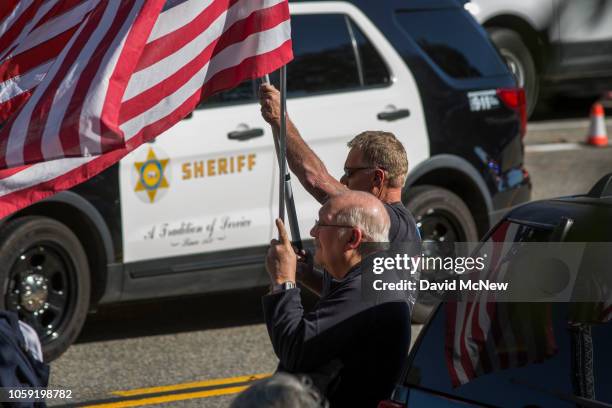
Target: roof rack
[[603, 188]]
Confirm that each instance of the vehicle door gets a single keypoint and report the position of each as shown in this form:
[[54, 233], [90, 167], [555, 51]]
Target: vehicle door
[[346, 78], [202, 186], [585, 34]]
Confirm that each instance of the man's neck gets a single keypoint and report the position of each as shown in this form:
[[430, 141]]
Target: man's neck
[[391, 195], [339, 272]]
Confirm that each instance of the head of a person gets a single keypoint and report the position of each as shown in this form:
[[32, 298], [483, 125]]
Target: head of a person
[[279, 391], [345, 222], [376, 162]]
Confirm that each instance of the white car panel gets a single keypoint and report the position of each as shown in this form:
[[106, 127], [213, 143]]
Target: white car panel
[[539, 14], [218, 193], [585, 20]]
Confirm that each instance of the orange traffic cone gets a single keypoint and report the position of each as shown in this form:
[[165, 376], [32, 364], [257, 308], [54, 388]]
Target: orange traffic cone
[[597, 131]]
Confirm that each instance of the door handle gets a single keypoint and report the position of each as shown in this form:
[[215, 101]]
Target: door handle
[[393, 115], [245, 134]]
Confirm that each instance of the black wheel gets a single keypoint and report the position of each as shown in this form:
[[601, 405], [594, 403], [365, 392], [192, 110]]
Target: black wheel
[[45, 279], [441, 217], [519, 60]]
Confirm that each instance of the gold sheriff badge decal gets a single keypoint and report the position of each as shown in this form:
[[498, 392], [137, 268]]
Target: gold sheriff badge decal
[[151, 176]]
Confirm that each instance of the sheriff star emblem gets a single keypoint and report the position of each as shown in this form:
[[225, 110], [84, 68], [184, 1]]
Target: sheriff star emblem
[[151, 175]]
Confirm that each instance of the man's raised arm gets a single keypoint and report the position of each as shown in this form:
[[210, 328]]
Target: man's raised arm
[[303, 162]]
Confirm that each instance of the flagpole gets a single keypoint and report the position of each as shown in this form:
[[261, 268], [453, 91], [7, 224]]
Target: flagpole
[[285, 190], [282, 143]]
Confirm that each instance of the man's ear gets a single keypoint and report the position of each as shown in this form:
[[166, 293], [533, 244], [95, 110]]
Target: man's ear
[[355, 239], [379, 178]]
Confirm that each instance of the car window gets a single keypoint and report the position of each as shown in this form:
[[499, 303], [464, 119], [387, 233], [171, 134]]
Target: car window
[[245, 92], [374, 69], [324, 58], [461, 49], [517, 354]]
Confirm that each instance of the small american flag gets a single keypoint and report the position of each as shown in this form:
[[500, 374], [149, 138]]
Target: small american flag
[[84, 82], [483, 336]]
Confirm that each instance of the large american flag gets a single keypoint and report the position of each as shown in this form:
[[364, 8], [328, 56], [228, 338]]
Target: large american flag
[[483, 336], [84, 82]]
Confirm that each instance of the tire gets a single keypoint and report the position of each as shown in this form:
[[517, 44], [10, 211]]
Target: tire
[[443, 217], [520, 62], [42, 254]]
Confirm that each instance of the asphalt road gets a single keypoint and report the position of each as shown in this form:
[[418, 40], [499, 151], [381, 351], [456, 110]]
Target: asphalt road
[[559, 161], [203, 350]]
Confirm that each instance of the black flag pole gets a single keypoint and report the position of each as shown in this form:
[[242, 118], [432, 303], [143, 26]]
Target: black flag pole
[[285, 196]]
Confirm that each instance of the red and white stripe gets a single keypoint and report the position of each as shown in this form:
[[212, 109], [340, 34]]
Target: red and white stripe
[[128, 71], [29, 47], [482, 335]]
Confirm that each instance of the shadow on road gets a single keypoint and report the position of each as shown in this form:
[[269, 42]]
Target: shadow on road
[[563, 108], [167, 316]]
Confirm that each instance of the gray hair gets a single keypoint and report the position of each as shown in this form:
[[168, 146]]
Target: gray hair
[[366, 221], [280, 391]]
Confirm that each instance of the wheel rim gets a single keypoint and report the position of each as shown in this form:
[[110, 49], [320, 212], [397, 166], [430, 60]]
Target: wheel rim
[[437, 225], [515, 66], [41, 285]]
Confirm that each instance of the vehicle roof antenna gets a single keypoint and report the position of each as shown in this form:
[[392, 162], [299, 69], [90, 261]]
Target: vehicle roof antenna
[[603, 188]]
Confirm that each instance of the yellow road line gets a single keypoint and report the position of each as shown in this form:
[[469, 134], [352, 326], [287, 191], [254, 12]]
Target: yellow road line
[[207, 383], [171, 398]]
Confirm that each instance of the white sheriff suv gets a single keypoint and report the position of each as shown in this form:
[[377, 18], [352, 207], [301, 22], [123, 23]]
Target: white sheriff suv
[[192, 212]]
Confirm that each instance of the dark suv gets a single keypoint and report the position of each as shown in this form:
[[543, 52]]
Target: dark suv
[[536, 354]]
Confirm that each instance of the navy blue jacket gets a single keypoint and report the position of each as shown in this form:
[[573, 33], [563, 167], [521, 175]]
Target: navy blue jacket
[[18, 368], [370, 339]]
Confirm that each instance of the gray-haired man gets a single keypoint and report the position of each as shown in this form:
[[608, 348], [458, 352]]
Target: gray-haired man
[[279, 391], [369, 339]]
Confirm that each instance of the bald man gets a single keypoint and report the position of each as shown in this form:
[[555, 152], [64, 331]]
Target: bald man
[[368, 340]]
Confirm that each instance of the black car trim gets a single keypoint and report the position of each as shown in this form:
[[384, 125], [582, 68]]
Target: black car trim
[[604, 202], [114, 284], [187, 264], [197, 266], [194, 274], [419, 5], [449, 396], [81, 204], [534, 224]]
